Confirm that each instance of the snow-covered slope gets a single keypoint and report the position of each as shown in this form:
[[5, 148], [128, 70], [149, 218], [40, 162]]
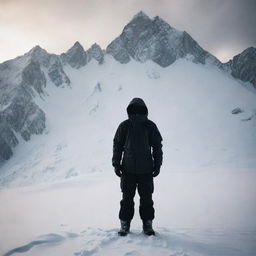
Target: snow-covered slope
[[142, 39], [204, 196], [193, 113]]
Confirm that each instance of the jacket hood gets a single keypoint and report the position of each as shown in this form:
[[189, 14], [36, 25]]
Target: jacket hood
[[137, 106]]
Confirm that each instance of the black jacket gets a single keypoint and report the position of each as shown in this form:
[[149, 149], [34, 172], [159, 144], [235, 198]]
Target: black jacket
[[137, 143]]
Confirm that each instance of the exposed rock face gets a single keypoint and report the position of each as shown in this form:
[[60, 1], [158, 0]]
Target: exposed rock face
[[21, 79], [57, 75], [32, 76], [37, 54], [118, 50], [7, 133], [243, 66], [40, 59], [146, 39], [190, 46], [8, 140], [95, 52], [6, 151], [24, 116], [76, 57]]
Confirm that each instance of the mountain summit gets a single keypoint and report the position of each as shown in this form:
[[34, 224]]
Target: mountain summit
[[154, 39], [76, 57]]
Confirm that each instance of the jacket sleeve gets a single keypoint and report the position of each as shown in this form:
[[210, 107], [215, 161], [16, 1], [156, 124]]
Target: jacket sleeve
[[156, 144], [118, 146]]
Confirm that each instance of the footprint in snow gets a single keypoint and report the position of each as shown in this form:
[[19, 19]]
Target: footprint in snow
[[98, 242]]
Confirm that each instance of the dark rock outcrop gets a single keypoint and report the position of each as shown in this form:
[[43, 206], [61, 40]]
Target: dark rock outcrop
[[76, 57], [57, 75], [21, 79], [243, 66], [236, 111], [32, 76], [118, 50], [5, 150], [40, 55], [95, 52], [24, 116], [8, 140]]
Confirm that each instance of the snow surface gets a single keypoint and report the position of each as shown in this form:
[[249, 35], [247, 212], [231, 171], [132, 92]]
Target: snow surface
[[59, 195]]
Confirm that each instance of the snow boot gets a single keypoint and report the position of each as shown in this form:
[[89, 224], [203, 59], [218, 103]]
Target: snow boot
[[125, 227], [147, 228]]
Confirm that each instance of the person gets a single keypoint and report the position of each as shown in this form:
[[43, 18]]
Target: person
[[137, 158]]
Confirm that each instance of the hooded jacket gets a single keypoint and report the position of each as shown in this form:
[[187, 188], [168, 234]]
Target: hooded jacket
[[137, 146]]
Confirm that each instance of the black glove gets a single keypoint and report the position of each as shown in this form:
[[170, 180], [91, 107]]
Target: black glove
[[156, 171], [118, 171]]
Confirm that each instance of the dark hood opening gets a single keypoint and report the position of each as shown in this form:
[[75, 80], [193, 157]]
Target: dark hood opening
[[137, 106]]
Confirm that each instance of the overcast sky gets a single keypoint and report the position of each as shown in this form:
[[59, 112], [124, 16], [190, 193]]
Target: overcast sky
[[222, 27]]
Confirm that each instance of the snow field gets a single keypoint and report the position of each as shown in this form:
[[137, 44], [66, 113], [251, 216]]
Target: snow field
[[61, 184], [80, 216]]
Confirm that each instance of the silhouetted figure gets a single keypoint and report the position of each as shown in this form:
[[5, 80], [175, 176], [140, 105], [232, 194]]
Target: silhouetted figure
[[137, 158]]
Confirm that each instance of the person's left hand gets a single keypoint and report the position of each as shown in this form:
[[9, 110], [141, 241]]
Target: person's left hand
[[156, 171]]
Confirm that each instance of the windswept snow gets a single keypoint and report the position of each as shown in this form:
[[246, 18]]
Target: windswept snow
[[196, 214], [204, 196]]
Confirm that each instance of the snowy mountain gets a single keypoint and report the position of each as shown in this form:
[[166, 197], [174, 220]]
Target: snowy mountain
[[27, 77], [58, 191], [22, 79], [142, 39]]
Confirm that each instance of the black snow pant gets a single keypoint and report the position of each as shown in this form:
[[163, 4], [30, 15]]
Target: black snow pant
[[144, 184]]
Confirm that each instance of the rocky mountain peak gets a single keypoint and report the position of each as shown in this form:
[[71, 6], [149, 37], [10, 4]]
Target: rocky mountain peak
[[95, 52], [140, 20], [140, 14], [76, 57], [37, 50], [95, 45], [154, 39], [77, 47], [39, 54]]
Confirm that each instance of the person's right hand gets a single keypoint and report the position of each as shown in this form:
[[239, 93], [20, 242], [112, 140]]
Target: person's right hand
[[118, 171]]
